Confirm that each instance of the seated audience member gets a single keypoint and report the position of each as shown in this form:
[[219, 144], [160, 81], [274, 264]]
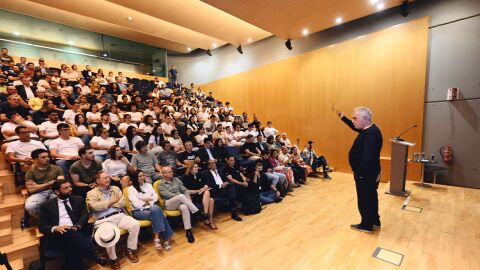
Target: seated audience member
[[143, 198], [188, 156], [271, 145], [69, 114], [123, 101], [126, 124], [93, 116], [285, 140], [270, 130], [199, 192], [36, 103], [39, 179], [238, 134], [101, 144], [283, 169], [312, 159], [65, 148], [297, 160], [117, 166], [211, 124], [286, 159], [14, 103], [267, 192], [48, 130], [84, 171], [147, 125], [231, 139], [278, 179], [176, 197], [21, 151], [167, 157], [64, 221], [176, 141], [168, 126], [234, 176], [249, 149], [114, 115], [156, 140], [220, 152], [206, 153], [262, 146], [127, 142], [221, 188], [251, 131], [106, 202], [82, 129], [201, 136], [137, 117], [108, 125], [219, 133], [146, 162], [16, 120]]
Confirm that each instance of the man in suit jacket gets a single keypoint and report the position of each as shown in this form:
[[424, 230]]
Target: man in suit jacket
[[221, 188], [364, 158], [206, 153], [87, 73], [64, 220], [25, 90]]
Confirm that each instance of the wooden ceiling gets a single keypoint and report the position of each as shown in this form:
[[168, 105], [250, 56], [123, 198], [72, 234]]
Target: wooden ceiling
[[185, 25]]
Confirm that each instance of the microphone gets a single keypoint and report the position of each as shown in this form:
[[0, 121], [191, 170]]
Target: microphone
[[397, 138]]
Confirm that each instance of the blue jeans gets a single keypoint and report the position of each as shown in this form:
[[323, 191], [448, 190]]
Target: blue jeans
[[65, 165], [267, 197], [276, 177], [33, 202], [159, 221], [102, 158]]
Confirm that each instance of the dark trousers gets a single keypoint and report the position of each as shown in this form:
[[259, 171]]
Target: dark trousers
[[319, 161], [367, 199], [76, 245], [228, 194]]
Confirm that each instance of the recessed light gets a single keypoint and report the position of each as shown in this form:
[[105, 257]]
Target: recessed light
[[16, 33], [380, 6], [249, 40], [189, 49], [129, 18], [339, 20], [71, 42], [374, 2], [305, 31], [214, 45]]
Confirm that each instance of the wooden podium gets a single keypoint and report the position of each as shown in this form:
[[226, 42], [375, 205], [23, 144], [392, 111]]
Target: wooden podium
[[398, 167]]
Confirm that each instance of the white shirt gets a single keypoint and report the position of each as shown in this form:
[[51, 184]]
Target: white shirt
[[136, 197], [167, 128], [94, 117], [102, 142], [64, 218], [218, 179], [24, 149], [10, 127], [114, 167], [239, 135], [125, 126], [120, 98], [149, 112], [29, 92], [49, 128], [202, 116], [199, 138], [136, 116], [270, 131], [176, 143], [85, 89], [69, 116], [210, 156], [68, 147], [145, 128], [123, 143], [114, 118]]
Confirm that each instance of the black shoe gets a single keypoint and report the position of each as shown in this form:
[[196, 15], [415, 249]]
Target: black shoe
[[202, 215], [328, 169], [327, 177], [362, 228], [377, 225], [190, 237], [236, 217], [278, 199]]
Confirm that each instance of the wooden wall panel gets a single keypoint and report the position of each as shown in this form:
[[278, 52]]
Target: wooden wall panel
[[385, 71]]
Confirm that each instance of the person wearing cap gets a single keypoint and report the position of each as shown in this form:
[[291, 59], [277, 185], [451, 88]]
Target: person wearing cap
[[63, 219], [106, 202]]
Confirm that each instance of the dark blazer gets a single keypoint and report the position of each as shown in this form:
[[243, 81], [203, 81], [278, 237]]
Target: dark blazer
[[85, 74], [49, 215], [21, 91], [264, 145], [208, 179], [202, 153], [364, 156]]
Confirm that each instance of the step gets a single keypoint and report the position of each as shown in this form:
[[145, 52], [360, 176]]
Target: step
[[8, 180], [2, 194], [13, 205], [6, 237], [5, 221], [24, 246], [17, 264]]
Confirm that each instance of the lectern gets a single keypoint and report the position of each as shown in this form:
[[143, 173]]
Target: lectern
[[398, 167]]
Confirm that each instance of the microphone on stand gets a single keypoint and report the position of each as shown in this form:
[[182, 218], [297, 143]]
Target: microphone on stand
[[397, 138]]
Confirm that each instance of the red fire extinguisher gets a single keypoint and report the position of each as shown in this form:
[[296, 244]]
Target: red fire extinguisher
[[447, 154]]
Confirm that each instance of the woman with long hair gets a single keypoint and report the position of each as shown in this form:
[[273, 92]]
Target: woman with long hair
[[199, 192], [101, 144], [117, 167], [220, 151], [277, 167], [143, 198], [156, 139], [93, 116], [82, 129], [147, 125], [127, 142]]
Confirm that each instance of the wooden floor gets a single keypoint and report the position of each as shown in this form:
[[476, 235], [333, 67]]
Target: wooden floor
[[311, 230]]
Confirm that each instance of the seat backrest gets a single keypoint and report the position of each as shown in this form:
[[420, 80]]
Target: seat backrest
[[156, 184], [128, 203]]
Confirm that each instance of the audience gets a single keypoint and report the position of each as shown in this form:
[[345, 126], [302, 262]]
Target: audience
[[84, 171]]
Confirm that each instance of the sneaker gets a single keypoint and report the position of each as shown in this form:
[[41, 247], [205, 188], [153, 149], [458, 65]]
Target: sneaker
[[158, 244], [377, 225], [167, 246], [327, 177], [294, 185], [328, 169], [362, 228]]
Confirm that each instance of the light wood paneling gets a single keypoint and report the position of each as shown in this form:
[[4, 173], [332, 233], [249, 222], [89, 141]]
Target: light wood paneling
[[384, 71]]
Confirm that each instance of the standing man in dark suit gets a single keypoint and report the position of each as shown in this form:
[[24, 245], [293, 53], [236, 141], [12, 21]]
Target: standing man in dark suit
[[364, 158], [63, 220]]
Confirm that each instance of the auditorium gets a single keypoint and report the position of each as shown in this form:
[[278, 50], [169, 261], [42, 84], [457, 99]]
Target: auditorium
[[240, 134]]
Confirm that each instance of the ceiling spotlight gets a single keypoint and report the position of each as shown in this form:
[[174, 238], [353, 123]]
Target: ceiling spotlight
[[305, 32], [249, 40], [404, 8], [16, 33], [104, 54], [288, 44], [374, 2], [214, 45], [129, 18], [380, 6], [71, 42], [189, 49], [209, 53], [239, 49], [339, 20]]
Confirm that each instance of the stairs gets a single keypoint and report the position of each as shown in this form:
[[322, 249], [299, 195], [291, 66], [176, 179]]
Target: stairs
[[21, 246]]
